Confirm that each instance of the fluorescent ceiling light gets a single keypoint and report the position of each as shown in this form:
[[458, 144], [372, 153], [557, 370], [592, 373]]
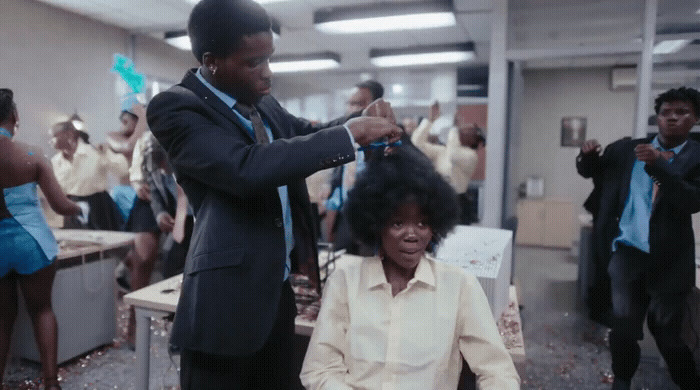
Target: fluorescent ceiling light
[[470, 87], [304, 62], [385, 17], [426, 55], [181, 42], [397, 89], [257, 1], [422, 59], [389, 23], [670, 46]]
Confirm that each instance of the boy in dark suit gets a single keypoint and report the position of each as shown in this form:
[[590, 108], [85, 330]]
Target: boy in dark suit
[[242, 160], [646, 191]]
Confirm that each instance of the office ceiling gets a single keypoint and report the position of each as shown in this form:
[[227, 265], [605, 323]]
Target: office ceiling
[[532, 25]]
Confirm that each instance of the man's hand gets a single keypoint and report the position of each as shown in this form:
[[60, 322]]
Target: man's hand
[[144, 192], [166, 222], [590, 146], [380, 108], [646, 153], [434, 111], [366, 129]]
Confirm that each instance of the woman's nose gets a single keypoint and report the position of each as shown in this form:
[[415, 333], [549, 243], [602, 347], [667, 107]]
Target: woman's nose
[[410, 230]]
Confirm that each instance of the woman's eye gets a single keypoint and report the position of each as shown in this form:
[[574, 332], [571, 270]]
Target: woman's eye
[[256, 62]]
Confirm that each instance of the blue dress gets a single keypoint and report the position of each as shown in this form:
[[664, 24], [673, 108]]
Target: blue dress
[[26, 241]]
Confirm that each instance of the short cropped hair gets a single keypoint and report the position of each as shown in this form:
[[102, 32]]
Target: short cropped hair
[[390, 180], [374, 87], [69, 126], [217, 26], [688, 95], [7, 105]]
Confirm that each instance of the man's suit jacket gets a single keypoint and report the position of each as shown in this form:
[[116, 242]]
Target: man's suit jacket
[[235, 267], [671, 238]]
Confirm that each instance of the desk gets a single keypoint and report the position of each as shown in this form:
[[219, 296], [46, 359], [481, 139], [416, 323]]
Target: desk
[[83, 294], [160, 299], [485, 253]]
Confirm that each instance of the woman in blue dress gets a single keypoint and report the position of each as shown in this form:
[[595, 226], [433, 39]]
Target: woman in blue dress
[[27, 246]]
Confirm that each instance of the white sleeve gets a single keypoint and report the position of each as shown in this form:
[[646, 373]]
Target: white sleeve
[[324, 365], [480, 342]]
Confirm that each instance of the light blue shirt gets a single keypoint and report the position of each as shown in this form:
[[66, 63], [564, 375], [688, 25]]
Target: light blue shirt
[[340, 194], [634, 222], [282, 190]]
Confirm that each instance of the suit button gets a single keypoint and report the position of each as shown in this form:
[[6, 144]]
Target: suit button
[[278, 222]]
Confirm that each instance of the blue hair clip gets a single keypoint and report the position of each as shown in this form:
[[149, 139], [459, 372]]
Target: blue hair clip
[[125, 68], [379, 145]]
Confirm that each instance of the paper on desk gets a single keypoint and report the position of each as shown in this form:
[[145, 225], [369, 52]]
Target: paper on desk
[[478, 251]]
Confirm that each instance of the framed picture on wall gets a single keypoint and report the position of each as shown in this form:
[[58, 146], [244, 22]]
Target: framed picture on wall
[[573, 131]]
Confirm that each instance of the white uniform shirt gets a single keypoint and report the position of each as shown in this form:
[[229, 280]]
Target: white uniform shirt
[[87, 173], [455, 162], [365, 338]]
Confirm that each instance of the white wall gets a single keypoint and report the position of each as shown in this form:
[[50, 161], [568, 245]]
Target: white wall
[[57, 62], [549, 95]]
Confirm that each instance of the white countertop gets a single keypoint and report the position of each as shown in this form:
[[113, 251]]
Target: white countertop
[[89, 241]]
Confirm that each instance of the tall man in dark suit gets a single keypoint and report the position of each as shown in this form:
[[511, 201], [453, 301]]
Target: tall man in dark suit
[[646, 191], [242, 160]]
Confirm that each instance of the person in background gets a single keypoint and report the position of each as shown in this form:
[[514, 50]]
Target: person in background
[[166, 196], [409, 124], [475, 139], [242, 160], [131, 128], [81, 170], [342, 178], [455, 160], [364, 93], [28, 248], [646, 191], [401, 319], [130, 190], [141, 259]]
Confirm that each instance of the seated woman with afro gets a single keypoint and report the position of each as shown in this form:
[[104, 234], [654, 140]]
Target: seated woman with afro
[[400, 319]]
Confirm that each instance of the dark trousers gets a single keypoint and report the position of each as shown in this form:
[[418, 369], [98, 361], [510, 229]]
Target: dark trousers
[[272, 367], [632, 302], [174, 259]]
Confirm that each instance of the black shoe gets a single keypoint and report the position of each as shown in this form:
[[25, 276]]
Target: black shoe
[[123, 284]]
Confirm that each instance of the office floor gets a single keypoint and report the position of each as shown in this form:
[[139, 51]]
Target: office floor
[[564, 349]]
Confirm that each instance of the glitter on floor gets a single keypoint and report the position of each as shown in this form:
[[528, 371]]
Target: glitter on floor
[[564, 349]]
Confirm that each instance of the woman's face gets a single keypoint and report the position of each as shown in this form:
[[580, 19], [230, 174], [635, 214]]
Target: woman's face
[[405, 236], [128, 123], [60, 137]]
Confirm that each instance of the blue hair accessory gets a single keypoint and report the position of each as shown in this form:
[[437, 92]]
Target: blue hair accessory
[[5, 132], [128, 101], [379, 145], [125, 68]]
